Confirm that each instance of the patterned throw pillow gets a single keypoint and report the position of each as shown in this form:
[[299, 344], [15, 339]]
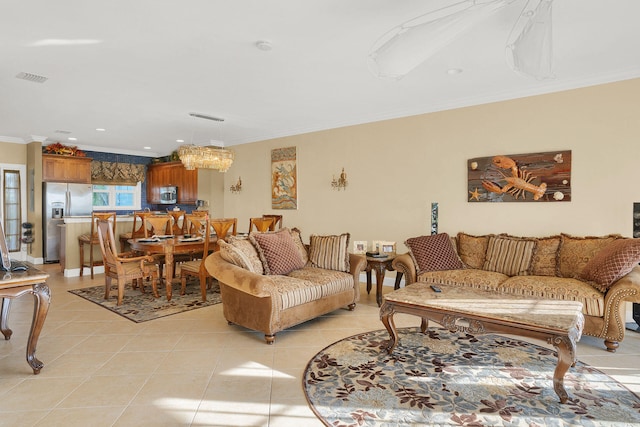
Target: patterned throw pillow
[[611, 263], [242, 253], [297, 238], [330, 252], [472, 249], [509, 255], [544, 258], [278, 251], [575, 252], [433, 253]]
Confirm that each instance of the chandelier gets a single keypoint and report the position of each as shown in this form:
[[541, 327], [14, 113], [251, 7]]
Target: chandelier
[[207, 157]]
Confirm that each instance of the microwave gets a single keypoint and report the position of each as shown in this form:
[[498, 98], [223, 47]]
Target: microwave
[[169, 195]]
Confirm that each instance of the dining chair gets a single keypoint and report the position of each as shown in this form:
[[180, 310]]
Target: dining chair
[[260, 224], [277, 221], [177, 222], [221, 226], [91, 239], [124, 267], [157, 225], [195, 268], [137, 229]]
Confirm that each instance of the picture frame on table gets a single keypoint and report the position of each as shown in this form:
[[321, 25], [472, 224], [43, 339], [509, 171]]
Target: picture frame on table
[[359, 246], [387, 248]]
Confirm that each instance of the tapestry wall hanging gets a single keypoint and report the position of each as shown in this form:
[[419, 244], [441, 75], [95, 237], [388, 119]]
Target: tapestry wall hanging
[[535, 177], [284, 178]]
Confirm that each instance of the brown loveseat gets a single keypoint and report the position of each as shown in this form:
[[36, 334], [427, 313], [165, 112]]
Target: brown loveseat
[[601, 272], [267, 285]]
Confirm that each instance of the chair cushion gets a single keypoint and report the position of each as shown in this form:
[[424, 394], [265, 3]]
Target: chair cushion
[[278, 251], [611, 263], [432, 253], [509, 255], [330, 252]]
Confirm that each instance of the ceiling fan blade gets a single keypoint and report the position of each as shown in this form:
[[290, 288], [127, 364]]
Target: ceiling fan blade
[[529, 48], [406, 46]]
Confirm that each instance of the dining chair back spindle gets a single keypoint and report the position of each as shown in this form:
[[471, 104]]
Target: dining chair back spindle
[[260, 224]]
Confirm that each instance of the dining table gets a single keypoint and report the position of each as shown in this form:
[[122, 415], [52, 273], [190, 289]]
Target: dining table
[[170, 245]]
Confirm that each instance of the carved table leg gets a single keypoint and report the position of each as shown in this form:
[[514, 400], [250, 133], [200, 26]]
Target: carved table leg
[[4, 318], [42, 299], [168, 263], [368, 274], [380, 270], [386, 316], [566, 357]]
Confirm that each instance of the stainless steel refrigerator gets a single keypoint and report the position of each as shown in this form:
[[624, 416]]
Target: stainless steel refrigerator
[[61, 200]]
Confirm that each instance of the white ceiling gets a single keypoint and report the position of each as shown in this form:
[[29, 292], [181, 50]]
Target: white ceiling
[[138, 67]]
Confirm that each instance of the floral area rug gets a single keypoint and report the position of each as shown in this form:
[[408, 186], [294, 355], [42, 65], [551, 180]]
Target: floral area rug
[[451, 379], [140, 307]]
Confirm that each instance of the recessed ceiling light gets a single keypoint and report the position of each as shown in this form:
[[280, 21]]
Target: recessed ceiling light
[[100, 129], [453, 71], [147, 148], [179, 140], [71, 138]]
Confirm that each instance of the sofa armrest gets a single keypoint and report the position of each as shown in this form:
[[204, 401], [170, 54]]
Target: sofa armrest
[[238, 277], [404, 264], [358, 263], [627, 288]]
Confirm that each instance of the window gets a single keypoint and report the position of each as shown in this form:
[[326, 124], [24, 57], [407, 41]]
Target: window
[[12, 208], [121, 197]]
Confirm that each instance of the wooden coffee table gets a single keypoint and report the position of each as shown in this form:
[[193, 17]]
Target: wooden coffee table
[[473, 311]]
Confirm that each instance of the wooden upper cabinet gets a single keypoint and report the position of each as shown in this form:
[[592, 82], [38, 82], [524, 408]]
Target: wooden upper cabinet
[[57, 168], [172, 173]]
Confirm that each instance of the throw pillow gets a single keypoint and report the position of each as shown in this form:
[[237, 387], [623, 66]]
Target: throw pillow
[[278, 251], [433, 253], [472, 249], [509, 255], [297, 238], [544, 258], [330, 252], [611, 263], [575, 252], [242, 253]]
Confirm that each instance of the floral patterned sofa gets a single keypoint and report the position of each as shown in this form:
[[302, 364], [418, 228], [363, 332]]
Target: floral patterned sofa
[[601, 272], [271, 281]]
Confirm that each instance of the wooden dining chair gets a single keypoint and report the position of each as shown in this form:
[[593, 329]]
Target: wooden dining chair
[[277, 221], [221, 226], [91, 239], [177, 222], [260, 224], [157, 225], [124, 267], [195, 268], [137, 229]]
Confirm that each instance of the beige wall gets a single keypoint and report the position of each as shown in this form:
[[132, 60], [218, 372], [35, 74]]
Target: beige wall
[[396, 168]]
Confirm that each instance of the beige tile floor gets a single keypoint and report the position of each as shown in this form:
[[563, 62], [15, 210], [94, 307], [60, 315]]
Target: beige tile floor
[[191, 369]]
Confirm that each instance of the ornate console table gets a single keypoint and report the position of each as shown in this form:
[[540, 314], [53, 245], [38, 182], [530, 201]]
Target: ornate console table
[[16, 284], [474, 311]]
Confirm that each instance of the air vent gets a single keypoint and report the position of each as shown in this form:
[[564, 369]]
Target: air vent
[[32, 77], [205, 116], [66, 132]]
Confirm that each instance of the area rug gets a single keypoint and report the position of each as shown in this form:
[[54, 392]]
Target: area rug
[[140, 307], [449, 379]]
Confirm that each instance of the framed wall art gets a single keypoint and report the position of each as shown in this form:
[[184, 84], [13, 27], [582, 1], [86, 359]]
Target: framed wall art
[[534, 177], [284, 178]]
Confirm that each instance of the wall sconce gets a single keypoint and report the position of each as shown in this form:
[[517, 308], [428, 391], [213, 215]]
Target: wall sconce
[[237, 187], [340, 183]]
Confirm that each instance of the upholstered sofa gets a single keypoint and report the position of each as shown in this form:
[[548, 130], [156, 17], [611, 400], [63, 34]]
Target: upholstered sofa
[[271, 281], [601, 272]]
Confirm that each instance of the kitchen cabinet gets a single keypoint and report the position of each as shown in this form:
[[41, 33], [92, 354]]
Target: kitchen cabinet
[[57, 168], [170, 174]]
